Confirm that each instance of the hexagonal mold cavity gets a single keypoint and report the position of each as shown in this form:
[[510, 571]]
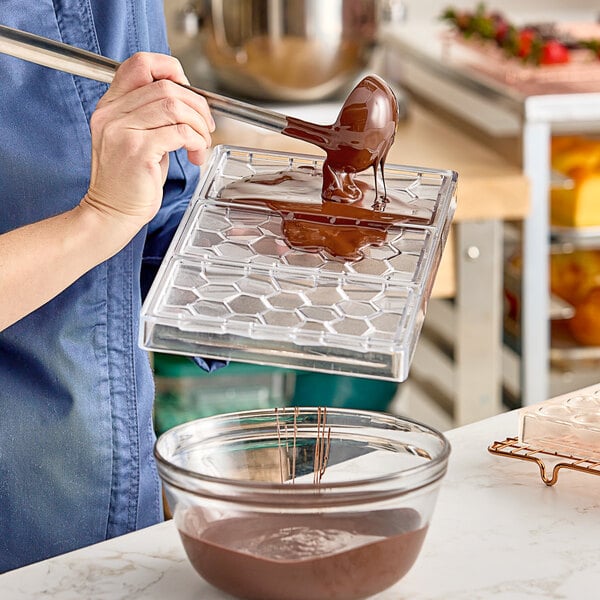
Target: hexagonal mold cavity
[[307, 260], [283, 318], [243, 234], [270, 246], [180, 297], [357, 309], [384, 252], [386, 322], [257, 286], [371, 266], [248, 219], [206, 239], [272, 226], [393, 301], [287, 300], [208, 309], [188, 279], [319, 314], [326, 295], [218, 292], [361, 293], [349, 326], [234, 251], [246, 305], [211, 220], [405, 263]]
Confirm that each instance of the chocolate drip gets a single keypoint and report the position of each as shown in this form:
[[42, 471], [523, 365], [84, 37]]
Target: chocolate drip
[[312, 225], [349, 214], [360, 138]]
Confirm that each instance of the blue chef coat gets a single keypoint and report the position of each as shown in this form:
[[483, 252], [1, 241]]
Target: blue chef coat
[[76, 392]]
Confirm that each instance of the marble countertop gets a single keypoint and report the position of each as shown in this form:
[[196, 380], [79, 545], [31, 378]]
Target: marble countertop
[[497, 532]]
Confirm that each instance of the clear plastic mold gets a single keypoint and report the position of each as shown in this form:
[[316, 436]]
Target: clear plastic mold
[[231, 287]]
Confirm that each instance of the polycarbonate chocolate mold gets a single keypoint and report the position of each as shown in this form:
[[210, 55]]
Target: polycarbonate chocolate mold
[[231, 287], [567, 425]]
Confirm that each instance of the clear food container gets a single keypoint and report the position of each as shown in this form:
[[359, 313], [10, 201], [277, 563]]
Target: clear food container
[[568, 424], [304, 503], [230, 287]]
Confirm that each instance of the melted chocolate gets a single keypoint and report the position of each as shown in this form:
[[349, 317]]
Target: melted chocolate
[[349, 214], [360, 138], [310, 224], [295, 557]]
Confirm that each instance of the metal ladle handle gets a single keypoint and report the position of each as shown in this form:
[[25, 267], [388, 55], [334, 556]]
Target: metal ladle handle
[[63, 57]]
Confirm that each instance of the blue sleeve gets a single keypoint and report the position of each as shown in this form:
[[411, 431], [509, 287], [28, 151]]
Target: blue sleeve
[[180, 185], [126, 27], [178, 190], [122, 29]]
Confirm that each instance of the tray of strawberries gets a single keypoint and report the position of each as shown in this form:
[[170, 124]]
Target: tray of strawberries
[[564, 53]]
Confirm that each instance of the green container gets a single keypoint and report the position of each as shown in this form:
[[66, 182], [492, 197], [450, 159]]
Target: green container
[[185, 392], [342, 391]]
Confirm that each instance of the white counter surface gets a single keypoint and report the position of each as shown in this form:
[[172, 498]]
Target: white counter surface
[[497, 532]]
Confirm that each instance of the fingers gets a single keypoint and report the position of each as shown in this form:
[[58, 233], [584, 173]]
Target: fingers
[[171, 122], [179, 135], [154, 112], [162, 89], [146, 78], [143, 68], [171, 111], [144, 137]]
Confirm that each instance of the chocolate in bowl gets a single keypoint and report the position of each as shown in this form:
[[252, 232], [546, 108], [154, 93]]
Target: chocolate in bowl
[[276, 558], [256, 523]]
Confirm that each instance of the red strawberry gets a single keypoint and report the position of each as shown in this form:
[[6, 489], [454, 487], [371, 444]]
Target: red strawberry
[[525, 42], [502, 29], [554, 53]]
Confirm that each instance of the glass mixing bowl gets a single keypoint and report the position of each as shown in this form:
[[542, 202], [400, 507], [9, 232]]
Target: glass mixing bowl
[[296, 503]]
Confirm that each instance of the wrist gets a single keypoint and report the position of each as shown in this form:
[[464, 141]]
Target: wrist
[[103, 231]]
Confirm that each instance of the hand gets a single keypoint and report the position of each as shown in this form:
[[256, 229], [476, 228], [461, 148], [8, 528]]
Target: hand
[[143, 116]]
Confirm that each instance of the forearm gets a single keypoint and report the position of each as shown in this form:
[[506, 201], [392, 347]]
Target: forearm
[[40, 260]]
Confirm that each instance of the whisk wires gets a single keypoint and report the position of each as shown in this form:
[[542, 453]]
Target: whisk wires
[[321, 449]]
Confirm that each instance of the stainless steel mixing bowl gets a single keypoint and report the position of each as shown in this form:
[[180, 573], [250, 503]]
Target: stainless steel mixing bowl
[[289, 50]]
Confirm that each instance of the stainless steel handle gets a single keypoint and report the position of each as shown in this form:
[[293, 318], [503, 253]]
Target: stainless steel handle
[[63, 57]]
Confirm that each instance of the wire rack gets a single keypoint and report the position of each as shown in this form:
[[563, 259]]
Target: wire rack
[[549, 463]]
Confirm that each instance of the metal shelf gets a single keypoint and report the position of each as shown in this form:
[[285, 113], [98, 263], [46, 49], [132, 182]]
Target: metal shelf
[[420, 61], [567, 239]]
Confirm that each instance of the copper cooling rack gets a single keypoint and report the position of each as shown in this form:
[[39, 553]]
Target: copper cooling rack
[[549, 463]]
